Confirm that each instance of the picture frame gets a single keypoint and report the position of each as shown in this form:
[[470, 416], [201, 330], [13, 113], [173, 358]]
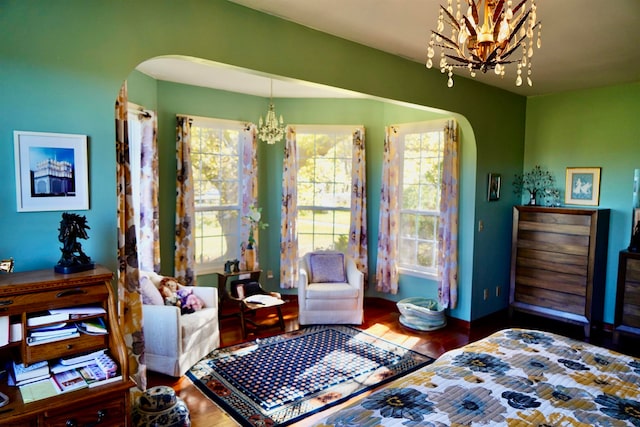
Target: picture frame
[[493, 187], [582, 186], [51, 171]]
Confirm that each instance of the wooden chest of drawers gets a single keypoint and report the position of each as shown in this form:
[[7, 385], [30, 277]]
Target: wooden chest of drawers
[[627, 318], [558, 263]]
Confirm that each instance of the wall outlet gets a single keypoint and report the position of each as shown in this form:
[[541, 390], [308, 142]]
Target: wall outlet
[[486, 294], [269, 274], [480, 225], [498, 290]]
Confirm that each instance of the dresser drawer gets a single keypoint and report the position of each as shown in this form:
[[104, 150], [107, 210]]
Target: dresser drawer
[[111, 413]]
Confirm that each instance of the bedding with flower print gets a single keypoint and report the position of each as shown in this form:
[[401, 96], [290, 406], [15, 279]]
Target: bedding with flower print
[[514, 377]]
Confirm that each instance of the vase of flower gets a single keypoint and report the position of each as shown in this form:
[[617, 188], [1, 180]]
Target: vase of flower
[[250, 257], [254, 219]]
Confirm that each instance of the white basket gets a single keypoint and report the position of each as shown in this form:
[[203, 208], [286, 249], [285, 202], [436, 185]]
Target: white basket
[[421, 313]]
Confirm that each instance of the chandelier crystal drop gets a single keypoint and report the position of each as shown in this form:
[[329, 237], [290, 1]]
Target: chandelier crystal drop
[[271, 130], [498, 36]]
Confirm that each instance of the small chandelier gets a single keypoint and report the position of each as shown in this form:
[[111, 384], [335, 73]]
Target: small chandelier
[[504, 33], [270, 131]]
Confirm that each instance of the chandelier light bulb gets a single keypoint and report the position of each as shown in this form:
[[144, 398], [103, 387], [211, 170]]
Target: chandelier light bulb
[[489, 36]]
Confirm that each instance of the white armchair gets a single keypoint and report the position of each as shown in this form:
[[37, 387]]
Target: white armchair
[[174, 342], [331, 289]]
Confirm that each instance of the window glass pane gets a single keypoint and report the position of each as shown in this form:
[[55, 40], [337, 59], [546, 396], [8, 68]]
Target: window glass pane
[[215, 159], [420, 197], [324, 189]]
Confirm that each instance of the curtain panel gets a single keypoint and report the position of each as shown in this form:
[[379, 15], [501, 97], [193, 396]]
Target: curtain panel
[[387, 267], [289, 213], [358, 246], [185, 205], [129, 297], [448, 223], [249, 144], [149, 244]]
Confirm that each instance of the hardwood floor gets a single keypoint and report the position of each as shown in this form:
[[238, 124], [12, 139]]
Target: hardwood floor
[[381, 319]]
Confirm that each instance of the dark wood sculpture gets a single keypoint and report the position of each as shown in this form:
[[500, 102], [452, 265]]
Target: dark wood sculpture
[[73, 259]]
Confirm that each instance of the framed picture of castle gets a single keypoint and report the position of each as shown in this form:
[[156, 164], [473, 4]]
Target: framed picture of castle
[[51, 171]]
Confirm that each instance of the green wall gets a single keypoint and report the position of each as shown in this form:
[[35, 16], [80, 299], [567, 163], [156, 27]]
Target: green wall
[[61, 68], [172, 99], [592, 128]]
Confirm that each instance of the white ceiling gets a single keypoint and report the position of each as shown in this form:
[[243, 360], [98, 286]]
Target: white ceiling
[[585, 44]]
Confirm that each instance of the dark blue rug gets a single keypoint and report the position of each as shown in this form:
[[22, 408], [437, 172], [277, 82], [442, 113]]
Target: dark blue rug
[[280, 380]]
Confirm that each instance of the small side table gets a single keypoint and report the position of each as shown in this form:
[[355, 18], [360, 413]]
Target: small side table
[[249, 308]]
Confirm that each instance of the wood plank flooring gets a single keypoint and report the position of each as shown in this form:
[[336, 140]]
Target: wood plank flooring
[[381, 319]]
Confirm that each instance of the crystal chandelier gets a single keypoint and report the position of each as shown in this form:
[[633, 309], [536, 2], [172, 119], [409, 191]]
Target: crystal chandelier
[[504, 33], [270, 131]]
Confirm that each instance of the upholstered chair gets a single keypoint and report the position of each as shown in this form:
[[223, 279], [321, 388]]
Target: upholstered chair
[[331, 289], [174, 342]]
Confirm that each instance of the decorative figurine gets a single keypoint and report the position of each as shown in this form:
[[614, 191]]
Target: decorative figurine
[[227, 266], [236, 265], [73, 259]]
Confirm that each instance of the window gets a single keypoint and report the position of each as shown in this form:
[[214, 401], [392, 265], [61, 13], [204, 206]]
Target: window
[[216, 168], [420, 176], [324, 186]]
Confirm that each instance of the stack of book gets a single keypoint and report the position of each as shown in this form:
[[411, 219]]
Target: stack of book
[[85, 370], [27, 374], [45, 334]]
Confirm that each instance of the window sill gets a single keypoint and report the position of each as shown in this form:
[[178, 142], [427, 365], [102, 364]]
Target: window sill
[[418, 273]]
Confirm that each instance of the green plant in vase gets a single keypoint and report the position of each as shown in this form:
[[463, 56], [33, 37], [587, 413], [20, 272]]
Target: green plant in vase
[[537, 182], [255, 223]]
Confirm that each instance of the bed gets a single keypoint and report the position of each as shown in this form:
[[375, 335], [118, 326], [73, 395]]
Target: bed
[[514, 377]]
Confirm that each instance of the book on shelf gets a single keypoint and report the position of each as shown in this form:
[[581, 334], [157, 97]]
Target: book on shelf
[[45, 340], [15, 332], [46, 317], [93, 327], [105, 381], [4, 330], [22, 372], [30, 380], [38, 390], [82, 357], [70, 380], [92, 373], [79, 312], [53, 330]]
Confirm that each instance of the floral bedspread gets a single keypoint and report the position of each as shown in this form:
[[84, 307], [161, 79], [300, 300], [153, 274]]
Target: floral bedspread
[[514, 377]]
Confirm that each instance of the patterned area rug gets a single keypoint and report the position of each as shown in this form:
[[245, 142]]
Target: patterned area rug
[[282, 379]]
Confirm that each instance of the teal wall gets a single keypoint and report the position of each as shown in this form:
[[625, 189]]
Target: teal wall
[[592, 128], [61, 68]]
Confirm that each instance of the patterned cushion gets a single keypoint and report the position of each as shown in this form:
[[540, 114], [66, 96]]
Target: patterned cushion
[[327, 267]]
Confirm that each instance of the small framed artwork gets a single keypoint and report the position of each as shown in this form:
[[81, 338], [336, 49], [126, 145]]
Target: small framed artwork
[[582, 186], [51, 171], [495, 181]]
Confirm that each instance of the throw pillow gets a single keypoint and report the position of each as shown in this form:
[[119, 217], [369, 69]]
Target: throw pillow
[[150, 294], [327, 267]]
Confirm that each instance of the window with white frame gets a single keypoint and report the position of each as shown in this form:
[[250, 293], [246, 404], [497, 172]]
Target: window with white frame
[[324, 186], [420, 154], [217, 176]]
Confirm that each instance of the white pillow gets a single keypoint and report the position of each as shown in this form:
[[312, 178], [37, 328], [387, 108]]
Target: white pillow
[[150, 294]]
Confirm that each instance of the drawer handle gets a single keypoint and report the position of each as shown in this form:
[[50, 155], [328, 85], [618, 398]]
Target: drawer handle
[[70, 292], [102, 415], [6, 302], [71, 423]]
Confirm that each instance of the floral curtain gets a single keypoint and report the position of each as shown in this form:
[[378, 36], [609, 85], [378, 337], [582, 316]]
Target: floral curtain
[[149, 244], [387, 268], [358, 246], [129, 298], [249, 144], [185, 205], [448, 223], [289, 214]]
